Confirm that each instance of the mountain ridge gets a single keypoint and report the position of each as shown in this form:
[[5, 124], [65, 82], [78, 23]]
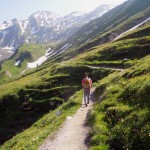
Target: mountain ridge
[[45, 24], [34, 105]]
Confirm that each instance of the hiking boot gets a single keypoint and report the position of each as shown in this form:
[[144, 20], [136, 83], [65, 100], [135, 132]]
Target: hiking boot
[[85, 105]]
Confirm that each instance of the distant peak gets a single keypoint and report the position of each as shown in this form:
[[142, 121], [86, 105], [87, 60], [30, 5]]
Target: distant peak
[[40, 12], [106, 6], [14, 20], [75, 13]]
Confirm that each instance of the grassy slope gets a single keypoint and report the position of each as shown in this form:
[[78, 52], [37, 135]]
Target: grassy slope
[[120, 109], [129, 15], [121, 120], [112, 32], [113, 23], [26, 53], [26, 100], [141, 31], [32, 137]]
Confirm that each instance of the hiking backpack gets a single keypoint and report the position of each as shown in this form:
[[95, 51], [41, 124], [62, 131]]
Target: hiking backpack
[[86, 82]]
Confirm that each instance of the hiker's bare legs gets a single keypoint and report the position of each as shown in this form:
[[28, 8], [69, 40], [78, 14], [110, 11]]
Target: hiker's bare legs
[[86, 96]]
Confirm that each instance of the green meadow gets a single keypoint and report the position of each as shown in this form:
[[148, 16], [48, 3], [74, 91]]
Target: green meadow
[[119, 120]]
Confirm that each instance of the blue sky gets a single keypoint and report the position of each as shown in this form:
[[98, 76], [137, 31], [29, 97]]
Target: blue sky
[[20, 9]]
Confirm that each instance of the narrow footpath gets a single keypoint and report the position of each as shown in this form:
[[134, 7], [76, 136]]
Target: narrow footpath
[[105, 67], [74, 134]]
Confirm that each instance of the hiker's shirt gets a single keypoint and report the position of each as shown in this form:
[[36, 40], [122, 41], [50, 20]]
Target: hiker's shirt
[[87, 83]]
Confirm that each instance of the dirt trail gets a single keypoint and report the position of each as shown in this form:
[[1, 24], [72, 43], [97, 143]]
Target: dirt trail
[[74, 134], [106, 67]]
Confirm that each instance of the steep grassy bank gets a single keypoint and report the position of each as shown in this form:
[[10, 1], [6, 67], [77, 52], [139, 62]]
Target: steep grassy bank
[[121, 120], [47, 124], [121, 54], [27, 99], [110, 25]]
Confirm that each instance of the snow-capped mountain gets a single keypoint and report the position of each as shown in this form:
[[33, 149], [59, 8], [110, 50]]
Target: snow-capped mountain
[[10, 34], [98, 12], [73, 18], [45, 18], [43, 27]]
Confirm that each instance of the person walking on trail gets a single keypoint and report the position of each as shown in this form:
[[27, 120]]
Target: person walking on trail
[[87, 84]]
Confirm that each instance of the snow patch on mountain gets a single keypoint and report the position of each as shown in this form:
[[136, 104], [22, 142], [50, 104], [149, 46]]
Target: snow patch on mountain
[[102, 13], [33, 31], [42, 59], [77, 14], [9, 48], [17, 63], [6, 24], [133, 28], [98, 12], [37, 63], [57, 28], [23, 25], [45, 18], [65, 48]]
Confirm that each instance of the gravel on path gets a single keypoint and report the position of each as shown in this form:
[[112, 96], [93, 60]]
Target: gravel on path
[[74, 134]]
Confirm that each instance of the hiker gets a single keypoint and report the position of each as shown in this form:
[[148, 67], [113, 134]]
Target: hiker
[[87, 84]]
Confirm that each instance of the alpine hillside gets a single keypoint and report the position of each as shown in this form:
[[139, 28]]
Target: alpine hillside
[[113, 48], [110, 26], [43, 27]]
